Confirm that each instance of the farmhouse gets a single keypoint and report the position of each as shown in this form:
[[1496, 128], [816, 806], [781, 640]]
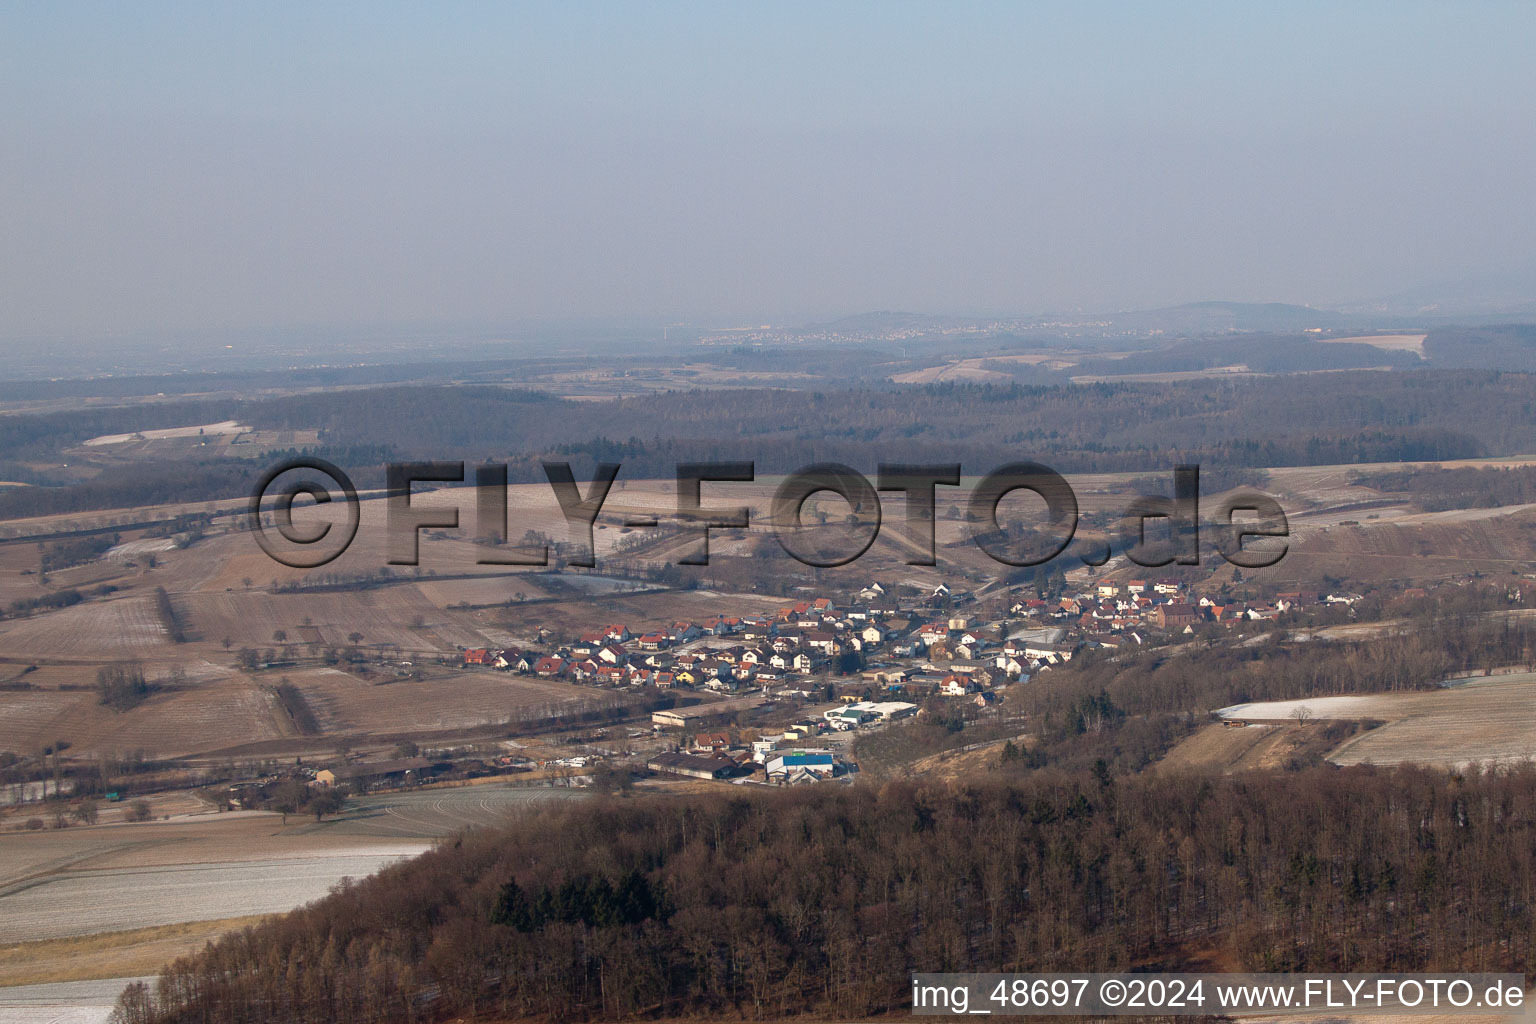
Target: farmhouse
[[717, 741]]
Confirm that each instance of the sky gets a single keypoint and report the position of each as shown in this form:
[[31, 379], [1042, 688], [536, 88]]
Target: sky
[[207, 167]]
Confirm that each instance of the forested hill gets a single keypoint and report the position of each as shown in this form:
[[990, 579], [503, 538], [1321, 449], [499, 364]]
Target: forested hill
[[823, 900], [1315, 419], [1510, 347]]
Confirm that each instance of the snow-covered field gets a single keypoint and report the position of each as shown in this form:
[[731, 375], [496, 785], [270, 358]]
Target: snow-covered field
[[67, 1002], [1481, 720], [205, 429], [85, 901]]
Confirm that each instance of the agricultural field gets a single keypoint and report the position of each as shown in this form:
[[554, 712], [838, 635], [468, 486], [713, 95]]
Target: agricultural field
[[432, 813], [972, 369], [396, 616], [637, 611], [81, 901], [200, 717], [1387, 342], [126, 627], [222, 601], [1484, 720], [504, 588], [1400, 543], [1257, 746], [120, 900], [208, 430], [194, 867], [210, 440], [448, 700], [1330, 485], [964, 762], [69, 1002]]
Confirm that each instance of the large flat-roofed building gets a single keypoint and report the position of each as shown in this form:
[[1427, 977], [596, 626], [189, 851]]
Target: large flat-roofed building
[[693, 766], [888, 710], [819, 763], [702, 715]]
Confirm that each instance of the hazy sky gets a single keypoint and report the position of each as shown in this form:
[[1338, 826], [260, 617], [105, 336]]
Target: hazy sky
[[204, 166]]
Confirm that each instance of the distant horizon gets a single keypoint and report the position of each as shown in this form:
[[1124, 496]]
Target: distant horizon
[[169, 168], [747, 321]]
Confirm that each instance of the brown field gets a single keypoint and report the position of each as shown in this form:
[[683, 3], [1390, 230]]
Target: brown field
[[124, 954], [1394, 541], [637, 611], [121, 628], [1331, 484], [203, 717], [1228, 749], [950, 765], [1488, 719], [385, 615], [33, 525], [220, 588], [493, 590], [457, 699], [1405, 545]]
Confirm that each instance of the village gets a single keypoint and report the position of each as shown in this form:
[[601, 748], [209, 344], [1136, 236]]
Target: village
[[776, 698], [779, 696]]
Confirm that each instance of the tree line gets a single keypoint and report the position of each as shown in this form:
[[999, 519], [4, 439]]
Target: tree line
[[823, 899], [1437, 489]]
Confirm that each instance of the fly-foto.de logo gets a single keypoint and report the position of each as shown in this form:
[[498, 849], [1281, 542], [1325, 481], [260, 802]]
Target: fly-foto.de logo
[[1153, 530]]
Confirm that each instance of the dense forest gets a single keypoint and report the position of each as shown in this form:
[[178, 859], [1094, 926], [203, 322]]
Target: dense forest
[[1222, 424], [823, 899], [1505, 347], [1335, 418]]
